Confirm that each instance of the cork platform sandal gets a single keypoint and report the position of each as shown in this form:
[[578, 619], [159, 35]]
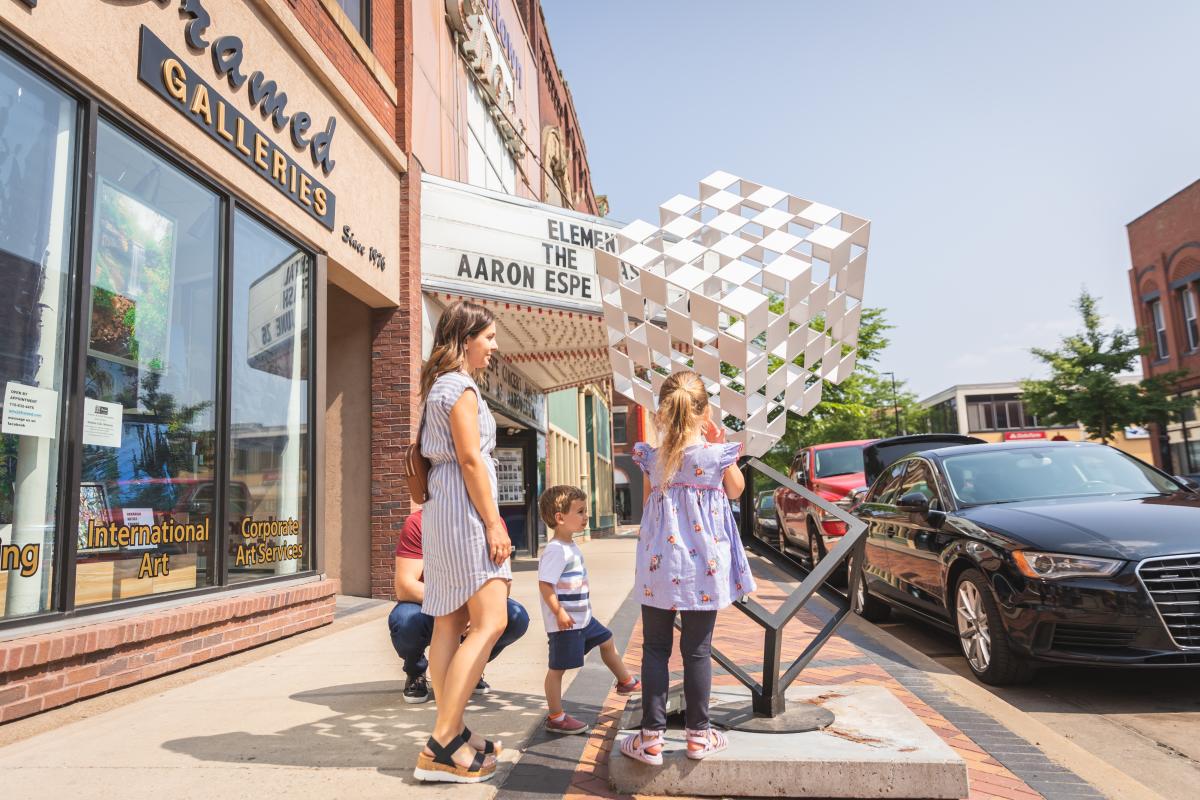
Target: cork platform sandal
[[490, 748], [441, 767]]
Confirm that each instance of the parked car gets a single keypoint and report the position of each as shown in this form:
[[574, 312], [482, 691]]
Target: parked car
[[832, 471], [1036, 552], [766, 523]]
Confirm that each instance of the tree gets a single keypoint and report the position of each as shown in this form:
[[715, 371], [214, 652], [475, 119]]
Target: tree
[[1083, 387], [861, 407]]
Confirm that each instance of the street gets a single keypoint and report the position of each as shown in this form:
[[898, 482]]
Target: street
[[1142, 721]]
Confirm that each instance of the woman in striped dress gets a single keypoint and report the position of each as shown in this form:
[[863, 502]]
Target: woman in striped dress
[[465, 544]]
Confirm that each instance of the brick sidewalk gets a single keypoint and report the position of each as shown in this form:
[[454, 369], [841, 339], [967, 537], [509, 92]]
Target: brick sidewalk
[[839, 662]]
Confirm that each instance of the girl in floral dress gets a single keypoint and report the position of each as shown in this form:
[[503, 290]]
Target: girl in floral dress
[[690, 561]]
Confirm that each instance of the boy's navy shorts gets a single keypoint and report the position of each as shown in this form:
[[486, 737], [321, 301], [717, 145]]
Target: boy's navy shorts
[[567, 648]]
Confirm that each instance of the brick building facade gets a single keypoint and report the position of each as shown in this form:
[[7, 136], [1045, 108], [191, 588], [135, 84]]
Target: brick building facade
[[566, 178], [1164, 282], [243, 186], [291, 326]]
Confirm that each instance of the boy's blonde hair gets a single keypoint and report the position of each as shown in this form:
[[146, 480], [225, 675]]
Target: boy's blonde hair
[[682, 405], [557, 500]]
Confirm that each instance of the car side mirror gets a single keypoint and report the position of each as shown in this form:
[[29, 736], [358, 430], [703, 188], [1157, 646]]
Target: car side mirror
[[1188, 483], [914, 503]]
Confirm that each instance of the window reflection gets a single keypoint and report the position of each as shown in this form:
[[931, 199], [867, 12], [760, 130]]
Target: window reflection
[[268, 423], [146, 508], [37, 179]]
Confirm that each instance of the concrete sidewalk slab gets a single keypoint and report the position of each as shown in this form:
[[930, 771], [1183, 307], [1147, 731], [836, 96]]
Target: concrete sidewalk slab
[[875, 748], [323, 719]]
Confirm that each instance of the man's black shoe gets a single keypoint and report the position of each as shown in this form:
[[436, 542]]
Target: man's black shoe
[[416, 689], [482, 687]]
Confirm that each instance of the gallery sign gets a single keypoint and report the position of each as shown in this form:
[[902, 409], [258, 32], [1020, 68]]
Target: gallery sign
[[506, 247], [172, 79]]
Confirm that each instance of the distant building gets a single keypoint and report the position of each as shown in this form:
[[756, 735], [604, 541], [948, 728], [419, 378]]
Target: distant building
[[1164, 249], [995, 412], [631, 424]]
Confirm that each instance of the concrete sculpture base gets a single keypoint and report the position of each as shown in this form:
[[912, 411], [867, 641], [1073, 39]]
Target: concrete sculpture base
[[875, 748]]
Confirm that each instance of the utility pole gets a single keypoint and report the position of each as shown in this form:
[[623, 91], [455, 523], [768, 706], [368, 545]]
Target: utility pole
[[895, 400]]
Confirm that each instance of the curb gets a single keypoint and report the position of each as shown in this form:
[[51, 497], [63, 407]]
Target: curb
[[1106, 778]]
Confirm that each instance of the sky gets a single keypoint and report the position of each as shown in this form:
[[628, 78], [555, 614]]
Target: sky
[[999, 149]]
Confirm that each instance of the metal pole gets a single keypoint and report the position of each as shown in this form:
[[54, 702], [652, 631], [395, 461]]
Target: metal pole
[[895, 401]]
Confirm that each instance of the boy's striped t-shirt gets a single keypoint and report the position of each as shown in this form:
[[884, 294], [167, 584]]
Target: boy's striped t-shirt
[[561, 564]]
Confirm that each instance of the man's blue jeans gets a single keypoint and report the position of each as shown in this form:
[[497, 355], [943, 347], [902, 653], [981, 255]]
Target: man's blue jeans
[[412, 631]]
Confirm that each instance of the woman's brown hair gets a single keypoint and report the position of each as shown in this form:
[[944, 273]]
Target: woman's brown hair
[[682, 406], [463, 320]]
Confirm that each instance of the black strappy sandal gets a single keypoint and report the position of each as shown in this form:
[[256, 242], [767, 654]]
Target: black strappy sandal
[[489, 747], [441, 767]]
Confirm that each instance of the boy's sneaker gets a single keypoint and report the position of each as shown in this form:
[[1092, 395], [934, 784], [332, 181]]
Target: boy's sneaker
[[416, 689], [626, 689], [482, 687], [567, 724]]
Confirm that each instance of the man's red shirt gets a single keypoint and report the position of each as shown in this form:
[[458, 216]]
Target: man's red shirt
[[408, 544]]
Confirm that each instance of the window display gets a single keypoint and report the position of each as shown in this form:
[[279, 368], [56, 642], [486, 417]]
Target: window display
[[149, 427], [37, 188], [268, 495], [151, 353]]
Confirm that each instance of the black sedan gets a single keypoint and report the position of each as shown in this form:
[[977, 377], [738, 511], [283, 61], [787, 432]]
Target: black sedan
[[1037, 552]]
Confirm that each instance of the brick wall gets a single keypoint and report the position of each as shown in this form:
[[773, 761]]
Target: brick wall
[[395, 393], [1164, 246], [557, 107], [41, 672], [396, 345], [333, 42]]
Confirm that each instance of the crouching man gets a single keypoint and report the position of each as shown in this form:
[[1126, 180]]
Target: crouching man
[[412, 630]]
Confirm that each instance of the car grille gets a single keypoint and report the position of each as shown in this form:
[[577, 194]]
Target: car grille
[[1089, 637], [1174, 584]]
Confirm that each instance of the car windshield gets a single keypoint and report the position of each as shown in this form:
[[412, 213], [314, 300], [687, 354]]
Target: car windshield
[[766, 502], [1007, 476], [839, 461]]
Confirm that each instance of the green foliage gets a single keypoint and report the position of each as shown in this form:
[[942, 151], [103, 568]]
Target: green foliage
[[1083, 386], [860, 407]]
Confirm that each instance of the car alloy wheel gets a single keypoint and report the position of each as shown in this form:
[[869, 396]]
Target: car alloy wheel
[[973, 627]]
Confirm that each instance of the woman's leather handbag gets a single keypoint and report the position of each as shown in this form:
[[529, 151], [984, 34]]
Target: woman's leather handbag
[[416, 468]]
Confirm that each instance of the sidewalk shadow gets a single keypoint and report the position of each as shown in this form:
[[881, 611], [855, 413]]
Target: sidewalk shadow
[[370, 728]]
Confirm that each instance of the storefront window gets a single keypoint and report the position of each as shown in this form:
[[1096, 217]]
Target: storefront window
[[268, 495], [37, 181], [146, 509]]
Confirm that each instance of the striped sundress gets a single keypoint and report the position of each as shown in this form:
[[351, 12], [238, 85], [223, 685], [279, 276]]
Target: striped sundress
[[453, 543]]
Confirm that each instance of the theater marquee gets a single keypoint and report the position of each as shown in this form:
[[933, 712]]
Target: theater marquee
[[492, 245]]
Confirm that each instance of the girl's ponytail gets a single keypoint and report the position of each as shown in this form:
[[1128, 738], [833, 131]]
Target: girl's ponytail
[[682, 403]]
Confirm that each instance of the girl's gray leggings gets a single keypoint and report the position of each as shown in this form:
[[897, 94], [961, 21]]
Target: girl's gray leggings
[[695, 645]]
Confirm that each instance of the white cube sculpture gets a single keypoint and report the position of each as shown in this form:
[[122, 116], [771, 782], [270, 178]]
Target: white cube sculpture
[[697, 292]]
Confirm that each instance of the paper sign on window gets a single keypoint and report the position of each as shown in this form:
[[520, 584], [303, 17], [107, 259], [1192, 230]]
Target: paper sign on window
[[30, 411], [102, 423]]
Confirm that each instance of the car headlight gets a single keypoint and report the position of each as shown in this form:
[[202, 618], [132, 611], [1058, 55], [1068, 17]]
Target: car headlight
[[1050, 566]]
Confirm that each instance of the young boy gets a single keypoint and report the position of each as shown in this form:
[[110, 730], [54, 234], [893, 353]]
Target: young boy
[[566, 608]]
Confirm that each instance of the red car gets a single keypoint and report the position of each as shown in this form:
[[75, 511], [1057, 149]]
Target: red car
[[833, 471]]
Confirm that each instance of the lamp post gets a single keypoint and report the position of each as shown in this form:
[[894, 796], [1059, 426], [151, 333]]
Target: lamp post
[[895, 400]]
